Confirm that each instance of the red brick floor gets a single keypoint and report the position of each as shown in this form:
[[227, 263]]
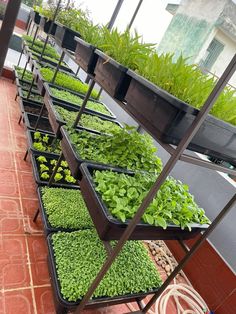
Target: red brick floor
[[24, 279]]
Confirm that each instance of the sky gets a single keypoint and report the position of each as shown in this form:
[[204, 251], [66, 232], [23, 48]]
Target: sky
[[151, 22]]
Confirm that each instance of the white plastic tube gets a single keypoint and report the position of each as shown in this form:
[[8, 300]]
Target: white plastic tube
[[177, 292]]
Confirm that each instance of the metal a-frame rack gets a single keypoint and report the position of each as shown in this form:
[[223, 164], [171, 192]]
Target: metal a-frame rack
[[176, 154]]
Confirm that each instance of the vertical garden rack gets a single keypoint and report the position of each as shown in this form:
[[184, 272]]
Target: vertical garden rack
[[176, 155]]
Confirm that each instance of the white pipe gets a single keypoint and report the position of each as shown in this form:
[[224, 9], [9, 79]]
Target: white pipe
[[188, 294]]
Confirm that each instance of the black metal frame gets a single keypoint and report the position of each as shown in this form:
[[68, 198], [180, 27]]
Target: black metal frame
[[176, 154]]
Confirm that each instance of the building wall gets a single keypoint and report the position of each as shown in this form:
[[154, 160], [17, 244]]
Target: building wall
[[191, 27], [225, 56]]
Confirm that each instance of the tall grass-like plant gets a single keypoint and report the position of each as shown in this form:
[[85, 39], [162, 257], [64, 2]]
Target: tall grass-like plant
[[127, 49], [188, 83]]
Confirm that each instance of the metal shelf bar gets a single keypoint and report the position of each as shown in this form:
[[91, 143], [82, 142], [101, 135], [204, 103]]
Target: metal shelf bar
[[191, 252], [162, 177], [176, 154]]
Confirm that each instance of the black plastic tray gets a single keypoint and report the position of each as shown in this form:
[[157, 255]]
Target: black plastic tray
[[40, 78], [30, 120], [57, 121], [66, 37], [72, 157], [110, 228], [30, 134], [47, 226], [20, 94], [18, 77], [39, 82], [74, 106], [52, 63], [45, 25], [25, 105], [63, 305], [111, 75], [35, 16], [43, 182], [168, 119], [19, 83], [85, 55]]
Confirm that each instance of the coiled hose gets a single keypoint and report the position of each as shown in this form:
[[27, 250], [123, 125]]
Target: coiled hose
[[177, 292]]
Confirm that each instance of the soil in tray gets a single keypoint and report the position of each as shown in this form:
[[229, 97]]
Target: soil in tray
[[36, 111], [46, 165], [42, 125]]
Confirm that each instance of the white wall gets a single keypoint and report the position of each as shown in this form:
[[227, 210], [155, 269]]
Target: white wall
[[225, 56], [151, 21]]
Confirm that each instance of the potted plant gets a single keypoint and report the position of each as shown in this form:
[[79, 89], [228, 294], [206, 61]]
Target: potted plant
[[83, 248], [65, 36], [125, 149], [35, 17], [45, 25], [74, 100], [165, 97], [43, 166], [63, 210], [173, 214], [42, 142], [65, 80]]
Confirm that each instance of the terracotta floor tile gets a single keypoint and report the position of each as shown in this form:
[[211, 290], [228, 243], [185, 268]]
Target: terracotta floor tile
[[16, 302], [44, 300], [4, 123], [19, 142], [116, 309], [15, 127], [8, 183], [10, 207], [14, 271], [22, 165], [27, 185], [11, 225], [5, 140], [29, 208], [38, 259], [7, 160]]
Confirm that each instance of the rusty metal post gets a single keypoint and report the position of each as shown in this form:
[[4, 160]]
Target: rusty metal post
[[7, 28]]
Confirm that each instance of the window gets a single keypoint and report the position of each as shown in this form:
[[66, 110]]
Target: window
[[211, 55]]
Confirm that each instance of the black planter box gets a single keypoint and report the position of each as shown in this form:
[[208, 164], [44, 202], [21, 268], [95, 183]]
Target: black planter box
[[62, 305], [111, 75], [54, 118], [72, 157], [32, 108], [57, 121], [47, 226], [42, 182], [85, 56], [69, 105], [48, 62], [20, 93], [35, 17], [65, 37], [19, 78], [26, 85], [30, 138], [45, 25], [110, 228], [39, 82], [43, 126], [168, 119]]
